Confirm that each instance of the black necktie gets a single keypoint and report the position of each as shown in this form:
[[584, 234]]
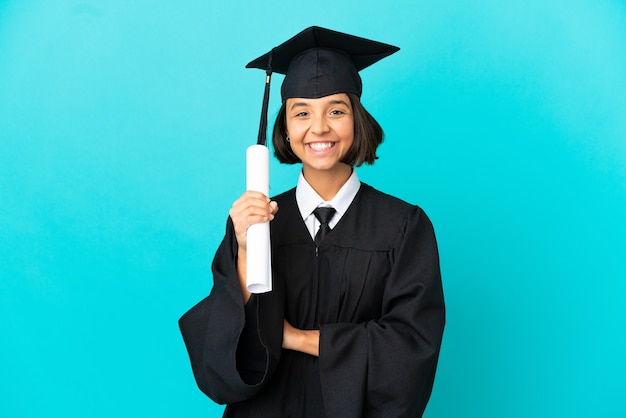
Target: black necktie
[[324, 215]]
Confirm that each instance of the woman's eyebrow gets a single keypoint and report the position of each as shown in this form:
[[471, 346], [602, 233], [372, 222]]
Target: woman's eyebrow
[[298, 104], [330, 102], [341, 102]]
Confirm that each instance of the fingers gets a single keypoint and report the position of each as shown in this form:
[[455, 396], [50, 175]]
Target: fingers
[[251, 208], [273, 208]]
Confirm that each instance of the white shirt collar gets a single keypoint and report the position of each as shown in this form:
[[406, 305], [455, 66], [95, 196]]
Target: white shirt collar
[[308, 199]]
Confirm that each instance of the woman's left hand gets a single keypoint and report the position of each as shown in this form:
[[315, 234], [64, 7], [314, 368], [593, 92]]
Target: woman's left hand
[[305, 341]]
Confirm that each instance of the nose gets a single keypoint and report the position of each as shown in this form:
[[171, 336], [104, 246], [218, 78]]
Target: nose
[[319, 124]]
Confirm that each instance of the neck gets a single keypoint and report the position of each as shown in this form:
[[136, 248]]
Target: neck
[[327, 183]]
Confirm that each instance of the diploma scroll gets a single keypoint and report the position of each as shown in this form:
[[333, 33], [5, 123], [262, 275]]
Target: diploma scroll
[[259, 253]]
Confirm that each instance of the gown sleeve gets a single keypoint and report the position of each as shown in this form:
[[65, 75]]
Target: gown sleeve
[[395, 356], [232, 352]]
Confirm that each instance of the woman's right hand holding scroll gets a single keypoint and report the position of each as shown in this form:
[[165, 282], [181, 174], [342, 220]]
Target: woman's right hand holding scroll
[[250, 208]]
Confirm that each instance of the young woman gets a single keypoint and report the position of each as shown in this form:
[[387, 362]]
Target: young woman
[[353, 325]]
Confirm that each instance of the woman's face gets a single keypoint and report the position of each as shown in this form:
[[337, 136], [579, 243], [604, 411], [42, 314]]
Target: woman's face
[[321, 131]]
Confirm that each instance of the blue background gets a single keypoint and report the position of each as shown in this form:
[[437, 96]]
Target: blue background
[[123, 129]]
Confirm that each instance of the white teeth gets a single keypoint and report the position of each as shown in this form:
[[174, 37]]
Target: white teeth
[[321, 146]]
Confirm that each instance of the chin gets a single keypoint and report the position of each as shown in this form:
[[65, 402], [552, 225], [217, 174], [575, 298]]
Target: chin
[[329, 167]]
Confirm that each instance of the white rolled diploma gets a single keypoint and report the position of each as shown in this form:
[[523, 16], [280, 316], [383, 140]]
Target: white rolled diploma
[[259, 252]]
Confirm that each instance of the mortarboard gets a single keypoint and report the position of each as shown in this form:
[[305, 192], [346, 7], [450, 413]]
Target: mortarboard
[[318, 62]]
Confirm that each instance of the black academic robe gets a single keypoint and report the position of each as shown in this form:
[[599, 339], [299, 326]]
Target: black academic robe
[[374, 291]]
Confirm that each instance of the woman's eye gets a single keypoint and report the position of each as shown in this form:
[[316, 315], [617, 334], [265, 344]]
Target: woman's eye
[[301, 114]]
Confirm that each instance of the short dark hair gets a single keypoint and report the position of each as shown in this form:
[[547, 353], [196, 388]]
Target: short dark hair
[[368, 135]]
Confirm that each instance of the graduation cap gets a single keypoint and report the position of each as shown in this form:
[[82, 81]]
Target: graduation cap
[[318, 62]]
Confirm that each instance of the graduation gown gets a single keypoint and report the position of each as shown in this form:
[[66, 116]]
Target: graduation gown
[[373, 289]]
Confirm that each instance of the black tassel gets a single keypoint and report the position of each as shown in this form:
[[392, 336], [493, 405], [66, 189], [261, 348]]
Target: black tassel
[[266, 99]]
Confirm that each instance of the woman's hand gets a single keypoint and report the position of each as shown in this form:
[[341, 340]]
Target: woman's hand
[[306, 341], [249, 209]]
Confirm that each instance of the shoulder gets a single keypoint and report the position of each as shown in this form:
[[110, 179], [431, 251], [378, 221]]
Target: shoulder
[[386, 216], [383, 202], [403, 223]]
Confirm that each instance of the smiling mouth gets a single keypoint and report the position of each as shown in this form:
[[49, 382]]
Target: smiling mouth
[[321, 146]]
